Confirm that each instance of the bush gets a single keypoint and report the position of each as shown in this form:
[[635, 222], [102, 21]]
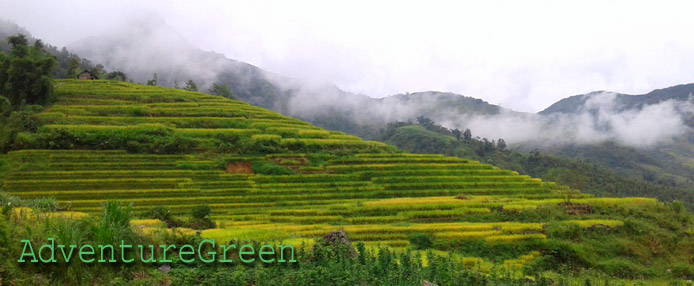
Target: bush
[[201, 218], [163, 214], [144, 138], [201, 212], [265, 143], [160, 213], [683, 270], [268, 168], [421, 240], [43, 204], [200, 223], [114, 225], [622, 268], [562, 230]]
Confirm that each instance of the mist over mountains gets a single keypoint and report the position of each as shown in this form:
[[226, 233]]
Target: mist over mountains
[[645, 137], [145, 47]]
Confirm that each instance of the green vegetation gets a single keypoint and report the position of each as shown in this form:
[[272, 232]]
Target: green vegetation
[[316, 266], [421, 240], [25, 84], [669, 165], [67, 65], [588, 177], [254, 175], [220, 90], [168, 121], [25, 74]]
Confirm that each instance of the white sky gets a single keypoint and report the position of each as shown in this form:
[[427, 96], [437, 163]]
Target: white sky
[[524, 55]]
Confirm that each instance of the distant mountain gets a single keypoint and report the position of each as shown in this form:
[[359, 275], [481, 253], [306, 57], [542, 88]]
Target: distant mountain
[[367, 117], [435, 104], [574, 104], [145, 47], [598, 128], [667, 164], [148, 46], [578, 173]]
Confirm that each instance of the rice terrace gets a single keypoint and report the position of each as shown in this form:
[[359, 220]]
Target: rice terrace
[[269, 178]]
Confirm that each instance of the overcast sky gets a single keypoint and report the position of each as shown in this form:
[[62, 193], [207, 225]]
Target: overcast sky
[[524, 55]]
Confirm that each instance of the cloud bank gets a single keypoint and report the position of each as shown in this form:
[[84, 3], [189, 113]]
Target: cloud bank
[[602, 118], [522, 55]]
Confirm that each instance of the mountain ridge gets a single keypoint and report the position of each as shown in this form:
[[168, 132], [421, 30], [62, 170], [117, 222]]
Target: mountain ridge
[[269, 177], [572, 104], [327, 106]]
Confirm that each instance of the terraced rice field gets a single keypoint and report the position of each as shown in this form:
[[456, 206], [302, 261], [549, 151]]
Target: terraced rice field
[[364, 188], [100, 109]]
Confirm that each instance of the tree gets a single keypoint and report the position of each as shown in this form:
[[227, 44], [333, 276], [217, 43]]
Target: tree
[[38, 44], [5, 107], [501, 144], [26, 73], [421, 241], [456, 132], [86, 64], [117, 75], [467, 135], [73, 68], [153, 81], [425, 122], [191, 86], [220, 90], [16, 41], [98, 70]]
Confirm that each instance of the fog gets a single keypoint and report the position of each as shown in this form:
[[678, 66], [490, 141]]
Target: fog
[[599, 120], [320, 59], [521, 55], [144, 46]]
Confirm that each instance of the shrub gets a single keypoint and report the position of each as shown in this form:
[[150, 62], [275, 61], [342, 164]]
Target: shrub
[[421, 240], [268, 168], [622, 268], [163, 214], [683, 269], [201, 211], [114, 225], [196, 223], [265, 143], [564, 231]]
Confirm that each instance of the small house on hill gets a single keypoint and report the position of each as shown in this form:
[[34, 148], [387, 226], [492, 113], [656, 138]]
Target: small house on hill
[[87, 75]]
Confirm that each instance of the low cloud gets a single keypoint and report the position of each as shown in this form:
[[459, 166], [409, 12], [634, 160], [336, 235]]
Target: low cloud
[[144, 47], [602, 118]]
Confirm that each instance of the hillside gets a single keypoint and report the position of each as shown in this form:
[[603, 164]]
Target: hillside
[[63, 57], [585, 175], [160, 49], [668, 164], [327, 106], [573, 104], [268, 177]]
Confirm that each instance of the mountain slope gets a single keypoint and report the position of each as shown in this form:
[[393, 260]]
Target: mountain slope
[[574, 104], [269, 177], [580, 174], [62, 56], [157, 48], [667, 164], [326, 106]]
